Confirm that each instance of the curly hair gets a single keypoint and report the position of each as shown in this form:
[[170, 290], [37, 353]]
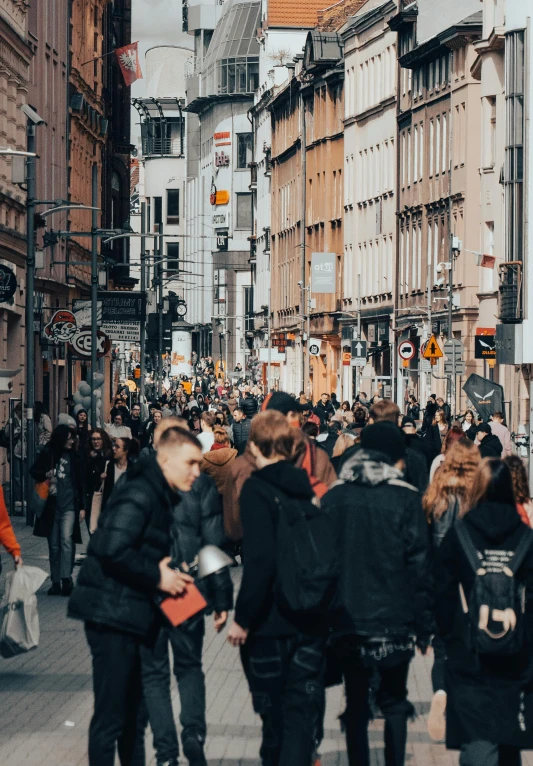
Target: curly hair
[[453, 479], [519, 477]]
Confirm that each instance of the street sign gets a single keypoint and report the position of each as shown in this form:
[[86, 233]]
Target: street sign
[[359, 348], [460, 368], [122, 314], [406, 350], [454, 346], [432, 349], [346, 358]]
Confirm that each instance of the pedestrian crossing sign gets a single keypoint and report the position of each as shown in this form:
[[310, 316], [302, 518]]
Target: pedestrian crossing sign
[[432, 349]]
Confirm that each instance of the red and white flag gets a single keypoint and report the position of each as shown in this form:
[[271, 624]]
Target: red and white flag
[[488, 261], [128, 59]]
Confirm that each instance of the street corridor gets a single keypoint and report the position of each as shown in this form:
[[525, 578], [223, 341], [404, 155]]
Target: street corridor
[[46, 698]]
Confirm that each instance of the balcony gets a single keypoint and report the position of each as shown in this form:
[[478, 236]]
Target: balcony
[[510, 309]]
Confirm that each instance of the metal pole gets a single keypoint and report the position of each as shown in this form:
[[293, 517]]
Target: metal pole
[[94, 292], [269, 360], [31, 168], [308, 313], [357, 369], [143, 293], [160, 312], [304, 222], [450, 332]]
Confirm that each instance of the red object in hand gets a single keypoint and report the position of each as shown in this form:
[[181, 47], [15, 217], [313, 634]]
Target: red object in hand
[[177, 609]]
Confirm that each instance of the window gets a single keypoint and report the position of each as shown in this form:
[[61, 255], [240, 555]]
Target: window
[[490, 131], [148, 210], [244, 212], [415, 155], [421, 150], [444, 140], [514, 149], [437, 147], [431, 147], [173, 257], [244, 150], [173, 206], [158, 211]]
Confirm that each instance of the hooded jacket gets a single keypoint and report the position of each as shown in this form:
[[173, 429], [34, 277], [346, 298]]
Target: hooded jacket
[[384, 552], [119, 577], [215, 463], [490, 446], [489, 698]]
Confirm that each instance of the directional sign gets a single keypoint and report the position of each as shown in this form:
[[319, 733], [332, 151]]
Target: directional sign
[[432, 349], [454, 346], [406, 350], [460, 368], [358, 353]]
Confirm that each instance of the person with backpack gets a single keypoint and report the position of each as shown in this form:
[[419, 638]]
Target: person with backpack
[[282, 646], [485, 614], [383, 606]]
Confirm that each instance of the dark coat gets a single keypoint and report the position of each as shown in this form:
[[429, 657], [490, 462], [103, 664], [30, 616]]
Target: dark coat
[[241, 434], [490, 446], [416, 470], [484, 692], [323, 412], [46, 461], [197, 521], [414, 411], [384, 552], [119, 577], [249, 405]]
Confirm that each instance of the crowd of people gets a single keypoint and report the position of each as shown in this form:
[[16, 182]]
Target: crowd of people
[[364, 535]]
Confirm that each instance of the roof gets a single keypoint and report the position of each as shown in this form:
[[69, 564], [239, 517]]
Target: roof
[[322, 48], [294, 13], [331, 19]]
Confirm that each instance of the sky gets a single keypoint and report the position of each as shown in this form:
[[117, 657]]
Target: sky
[[154, 22]]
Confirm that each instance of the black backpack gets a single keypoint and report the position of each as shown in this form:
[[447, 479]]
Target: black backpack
[[306, 558], [498, 600]]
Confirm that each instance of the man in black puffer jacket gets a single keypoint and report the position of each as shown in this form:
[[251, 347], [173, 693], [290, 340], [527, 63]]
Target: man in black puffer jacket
[[241, 430], [383, 606], [126, 565], [248, 404], [197, 522]]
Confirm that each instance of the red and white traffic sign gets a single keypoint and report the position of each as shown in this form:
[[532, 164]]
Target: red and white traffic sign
[[406, 350]]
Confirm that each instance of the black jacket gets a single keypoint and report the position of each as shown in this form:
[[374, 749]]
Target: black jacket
[[416, 470], [118, 580], [324, 411], [384, 552], [483, 691], [198, 521], [256, 607], [249, 405], [45, 462], [241, 434], [137, 428], [490, 446]]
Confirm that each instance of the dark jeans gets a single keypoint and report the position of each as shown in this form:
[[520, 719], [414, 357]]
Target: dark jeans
[[61, 547], [186, 646], [391, 697], [439, 664], [286, 677], [119, 714], [481, 753]]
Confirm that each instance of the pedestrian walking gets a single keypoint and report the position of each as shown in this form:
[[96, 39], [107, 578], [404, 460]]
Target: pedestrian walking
[[59, 463], [522, 492], [241, 430], [196, 522], [127, 564], [16, 455], [454, 435], [117, 429], [324, 409], [82, 429], [468, 424], [489, 712], [207, 436], [500, 430], [283, 655], [99, 453], [124, 452], [43, 426], [136, 424], [489, 444], [7, 534], [216, 462], [383, 606], [445, 501]]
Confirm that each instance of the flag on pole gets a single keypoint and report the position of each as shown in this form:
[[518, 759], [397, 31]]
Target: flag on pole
[[128, 59], [488, 261]]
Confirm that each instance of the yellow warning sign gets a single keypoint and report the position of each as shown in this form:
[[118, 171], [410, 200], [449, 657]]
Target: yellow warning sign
[[432, 349]]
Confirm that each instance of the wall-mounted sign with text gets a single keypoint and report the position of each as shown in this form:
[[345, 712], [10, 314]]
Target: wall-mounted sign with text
[[323, 272], [222, 138], [221, 220]]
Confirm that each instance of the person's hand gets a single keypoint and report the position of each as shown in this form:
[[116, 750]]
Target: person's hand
[[220, 619], [172, 581], [103, 476], [236, 635], [82, 515], [18, 561]]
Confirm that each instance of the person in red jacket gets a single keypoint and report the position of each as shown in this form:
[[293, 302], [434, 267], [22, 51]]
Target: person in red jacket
[[7, 535]]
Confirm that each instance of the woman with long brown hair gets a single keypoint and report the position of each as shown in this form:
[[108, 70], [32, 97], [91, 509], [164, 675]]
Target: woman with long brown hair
[[522, 492], [454, 435], [489, 714], [446, 500]]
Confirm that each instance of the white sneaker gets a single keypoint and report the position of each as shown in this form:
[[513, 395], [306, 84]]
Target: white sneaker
[[437, 716]]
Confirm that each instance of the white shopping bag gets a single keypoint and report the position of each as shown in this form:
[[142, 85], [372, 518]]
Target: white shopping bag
[[19, 631]]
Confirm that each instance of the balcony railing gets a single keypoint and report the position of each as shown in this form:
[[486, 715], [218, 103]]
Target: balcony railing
[[168, 146], [510, 292]]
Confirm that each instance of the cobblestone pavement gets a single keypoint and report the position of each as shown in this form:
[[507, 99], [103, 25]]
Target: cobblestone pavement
[[46, 699]]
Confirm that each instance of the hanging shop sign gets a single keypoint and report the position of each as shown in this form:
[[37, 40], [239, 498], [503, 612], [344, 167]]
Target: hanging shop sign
[[122, 315], [222, 197], [8, 284], [323, 272], [80, 345], [485, 395], [62, 327], [222, 138], [221, 160], [314, 346], [221, 220], [222, 241]]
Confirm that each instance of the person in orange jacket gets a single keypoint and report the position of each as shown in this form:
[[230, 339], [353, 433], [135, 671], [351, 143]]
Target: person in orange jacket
[[7, 535]]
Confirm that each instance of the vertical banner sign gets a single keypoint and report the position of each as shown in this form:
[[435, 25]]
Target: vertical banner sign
[[323, 272], [181, 358]]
